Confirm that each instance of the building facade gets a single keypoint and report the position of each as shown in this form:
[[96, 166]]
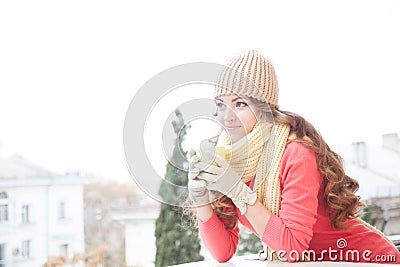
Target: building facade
[[41, 213], [139, 224], [377, 169]]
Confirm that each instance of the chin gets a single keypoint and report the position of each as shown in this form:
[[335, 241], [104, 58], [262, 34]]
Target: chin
[[234, 138]]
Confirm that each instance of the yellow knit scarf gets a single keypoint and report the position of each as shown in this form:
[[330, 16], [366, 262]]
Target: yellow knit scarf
[[244, 155], [259, 154]]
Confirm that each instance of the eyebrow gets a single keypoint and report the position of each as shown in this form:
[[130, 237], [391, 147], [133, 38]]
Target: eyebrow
[[233, 100]]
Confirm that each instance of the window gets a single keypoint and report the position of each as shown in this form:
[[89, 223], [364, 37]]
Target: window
[[3, 212], [61, 210], [2, 255], [25, 214], [26, 249], [64, 250], [3, 207]]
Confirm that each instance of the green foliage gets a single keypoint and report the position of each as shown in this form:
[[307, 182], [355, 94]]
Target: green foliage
[[175, 244], [367, 214], [249, 243]]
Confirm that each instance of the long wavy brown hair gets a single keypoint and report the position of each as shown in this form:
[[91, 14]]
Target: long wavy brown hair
[[339, 189]]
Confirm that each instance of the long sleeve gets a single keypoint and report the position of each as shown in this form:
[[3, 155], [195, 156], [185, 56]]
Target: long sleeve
[[221, 243], [301, 181]]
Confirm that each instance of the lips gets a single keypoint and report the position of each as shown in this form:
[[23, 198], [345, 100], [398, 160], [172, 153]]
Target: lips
[[232, 128]]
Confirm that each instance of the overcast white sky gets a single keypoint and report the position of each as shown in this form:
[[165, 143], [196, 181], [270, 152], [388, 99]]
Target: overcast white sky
[[69, 69]]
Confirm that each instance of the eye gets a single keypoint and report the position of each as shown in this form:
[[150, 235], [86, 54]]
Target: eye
[[241, 104], [220, 105]]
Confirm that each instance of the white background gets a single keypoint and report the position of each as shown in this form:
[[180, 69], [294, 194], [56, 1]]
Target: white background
[[69, 69]]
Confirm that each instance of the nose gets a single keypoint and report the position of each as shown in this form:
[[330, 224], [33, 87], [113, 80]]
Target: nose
[[229, 115]]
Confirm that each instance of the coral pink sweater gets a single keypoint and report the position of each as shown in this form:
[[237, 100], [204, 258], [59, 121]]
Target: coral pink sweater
[[302, 223]]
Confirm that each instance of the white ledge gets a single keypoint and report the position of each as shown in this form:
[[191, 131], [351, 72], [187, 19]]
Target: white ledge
[[252, 261]]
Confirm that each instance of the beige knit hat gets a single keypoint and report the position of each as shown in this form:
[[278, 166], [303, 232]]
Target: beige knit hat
[[249, 74]]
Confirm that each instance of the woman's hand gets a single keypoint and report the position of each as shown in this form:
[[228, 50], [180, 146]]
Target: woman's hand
[[224, 179], [198, 192]]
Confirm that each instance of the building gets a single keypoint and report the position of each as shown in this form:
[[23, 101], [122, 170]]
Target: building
[[139, 223], [100, 201], [377, 169], [41, 213]]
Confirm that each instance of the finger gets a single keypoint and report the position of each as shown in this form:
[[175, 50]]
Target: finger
[[208, 167], [197, 183], [206, 144], [214, 195], [193, 174], [214, 187], [217, 159], [194, 159], [190, 153], [193, 170], [210, 178]]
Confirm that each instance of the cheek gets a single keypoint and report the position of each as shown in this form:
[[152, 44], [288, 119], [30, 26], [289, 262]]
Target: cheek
[[250, 121], [220, 117]]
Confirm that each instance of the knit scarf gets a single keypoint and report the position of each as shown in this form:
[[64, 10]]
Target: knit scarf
[[244, 155], [259, 154]]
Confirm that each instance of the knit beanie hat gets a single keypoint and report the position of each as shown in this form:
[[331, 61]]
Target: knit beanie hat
[[249, 74]]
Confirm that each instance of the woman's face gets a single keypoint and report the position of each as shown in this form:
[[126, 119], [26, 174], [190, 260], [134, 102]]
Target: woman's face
[[237, 114]]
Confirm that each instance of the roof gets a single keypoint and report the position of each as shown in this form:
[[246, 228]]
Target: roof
[[17, 166], [380, 177], [382, 160]]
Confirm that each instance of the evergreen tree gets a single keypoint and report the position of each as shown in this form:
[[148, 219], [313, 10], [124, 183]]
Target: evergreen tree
[[249, 243], [368, 214], [175, 243]]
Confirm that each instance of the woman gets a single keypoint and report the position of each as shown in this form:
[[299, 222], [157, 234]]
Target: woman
[[283, 182]]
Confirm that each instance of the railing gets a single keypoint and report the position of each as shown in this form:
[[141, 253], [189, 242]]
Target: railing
[[395, 240]]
